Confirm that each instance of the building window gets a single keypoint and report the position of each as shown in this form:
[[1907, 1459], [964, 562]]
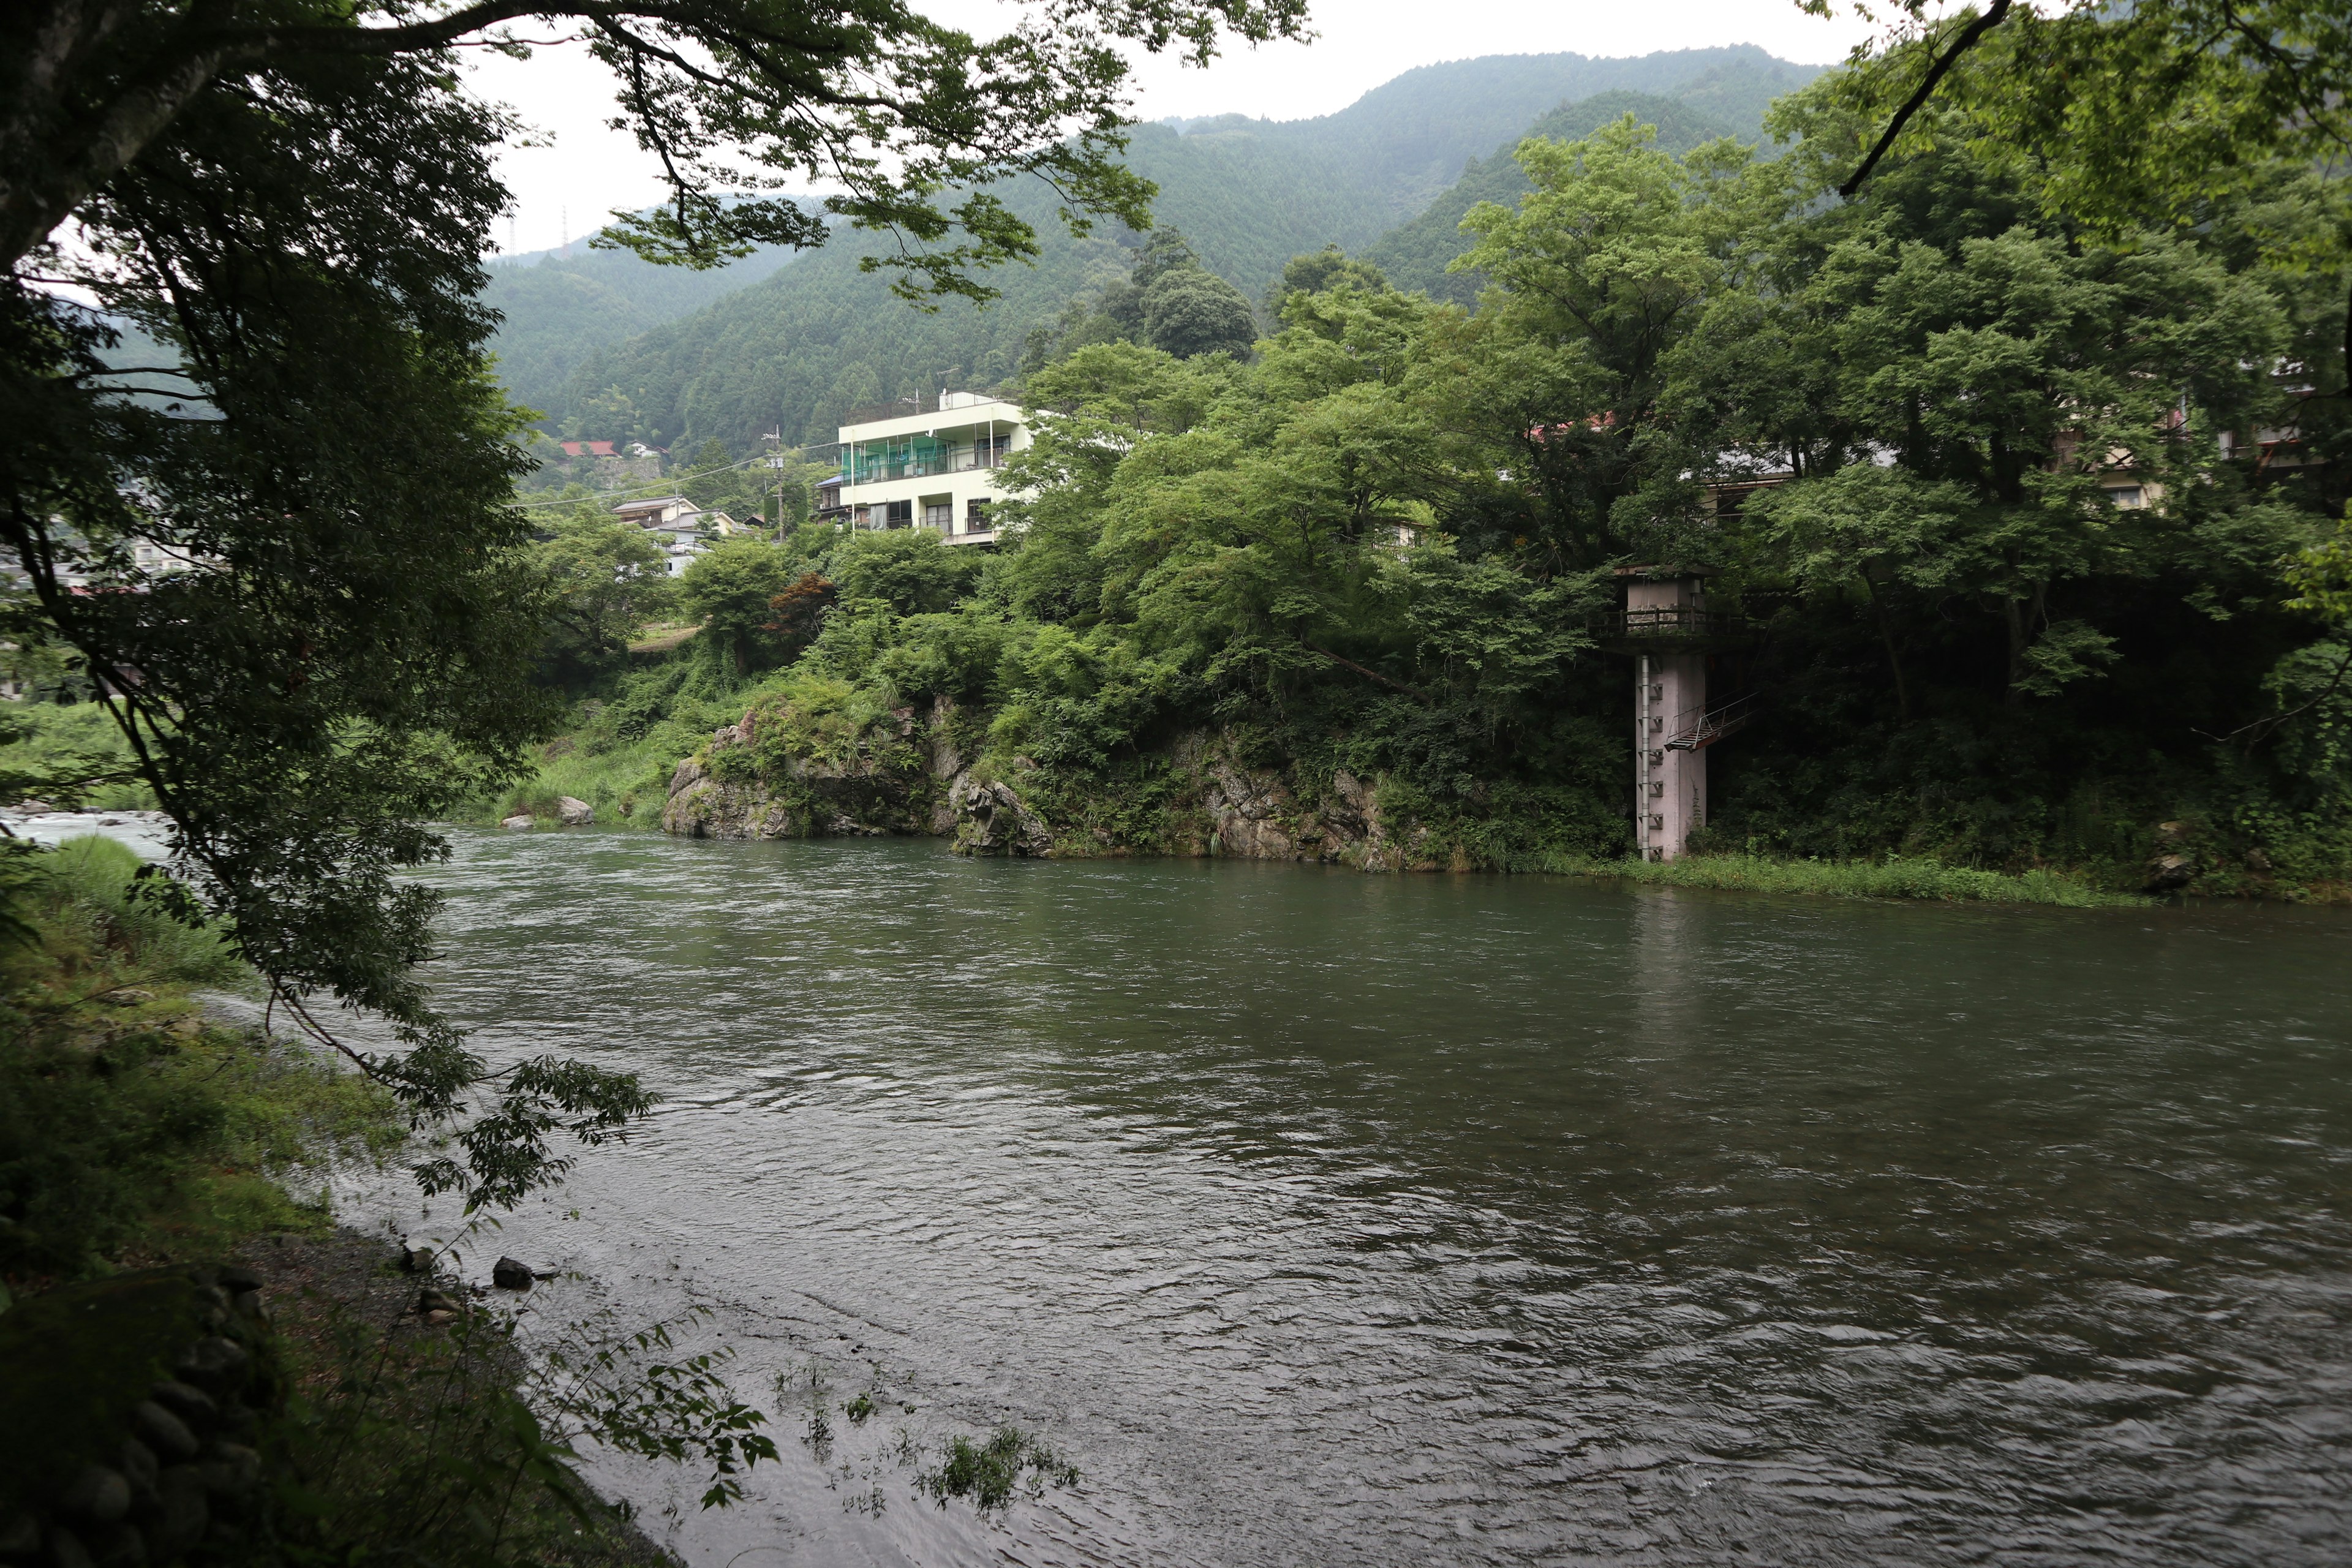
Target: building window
[[902, 514], [938, 514], [2127, 496], [975, 517]]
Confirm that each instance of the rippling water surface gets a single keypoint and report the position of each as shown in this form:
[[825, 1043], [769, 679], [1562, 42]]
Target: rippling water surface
[[1323, 1218]]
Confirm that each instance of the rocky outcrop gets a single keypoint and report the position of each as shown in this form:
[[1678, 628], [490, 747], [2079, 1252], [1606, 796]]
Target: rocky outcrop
[[731, 791], [702, 806], [2173, 866], [915, 776], [1255, 814], [990, 819]]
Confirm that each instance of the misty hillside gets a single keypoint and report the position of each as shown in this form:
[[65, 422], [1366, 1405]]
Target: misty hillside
[[1409, 138], [798, 348], [560, 307]]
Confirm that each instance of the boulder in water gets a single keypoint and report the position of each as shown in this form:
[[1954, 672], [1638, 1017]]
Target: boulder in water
[[507, 1274], [519, 822], [575, 813]]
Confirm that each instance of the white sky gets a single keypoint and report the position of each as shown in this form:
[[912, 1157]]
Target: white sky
[[567, 186]]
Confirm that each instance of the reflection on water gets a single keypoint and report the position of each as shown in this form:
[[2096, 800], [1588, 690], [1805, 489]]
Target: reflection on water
[[1322, 1218]]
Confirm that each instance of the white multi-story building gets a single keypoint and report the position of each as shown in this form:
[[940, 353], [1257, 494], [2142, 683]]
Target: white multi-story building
[[929, 463]]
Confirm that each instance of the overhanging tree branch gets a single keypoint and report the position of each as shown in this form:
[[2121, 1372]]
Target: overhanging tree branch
[[1984, 24]]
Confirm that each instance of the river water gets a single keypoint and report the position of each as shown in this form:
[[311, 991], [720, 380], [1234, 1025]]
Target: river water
[[1322, 1218]]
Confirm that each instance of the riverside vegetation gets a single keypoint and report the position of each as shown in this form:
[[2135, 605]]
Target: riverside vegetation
[[2050, 605]]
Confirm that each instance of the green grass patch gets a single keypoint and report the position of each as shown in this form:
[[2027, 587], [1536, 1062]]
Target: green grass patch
[[129, 1125], [1920, 878]]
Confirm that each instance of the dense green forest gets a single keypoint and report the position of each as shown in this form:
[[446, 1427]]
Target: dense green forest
[[821, 337], [2049, 582]]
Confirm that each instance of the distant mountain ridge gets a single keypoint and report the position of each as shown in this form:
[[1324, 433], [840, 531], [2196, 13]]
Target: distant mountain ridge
[[811, 340], [1412, 136]]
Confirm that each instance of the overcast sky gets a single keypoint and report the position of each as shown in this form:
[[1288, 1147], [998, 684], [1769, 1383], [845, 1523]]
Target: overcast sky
[[566, 187]]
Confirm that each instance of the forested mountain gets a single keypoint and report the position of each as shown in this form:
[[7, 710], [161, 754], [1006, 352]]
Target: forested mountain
[[561, 306], [809, 343], [1416, 254], [1408, 139]]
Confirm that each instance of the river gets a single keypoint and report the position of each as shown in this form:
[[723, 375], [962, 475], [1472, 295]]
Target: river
[[1322, 1218]]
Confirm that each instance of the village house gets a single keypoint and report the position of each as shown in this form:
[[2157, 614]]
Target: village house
[[686, 528], [606, 465]]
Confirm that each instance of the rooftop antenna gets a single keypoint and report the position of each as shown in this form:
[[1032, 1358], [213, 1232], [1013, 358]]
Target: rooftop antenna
[[567, 229]]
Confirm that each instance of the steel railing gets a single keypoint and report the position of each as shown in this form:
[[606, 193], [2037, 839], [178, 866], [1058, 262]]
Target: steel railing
[[1668, 621], [1713, 725]]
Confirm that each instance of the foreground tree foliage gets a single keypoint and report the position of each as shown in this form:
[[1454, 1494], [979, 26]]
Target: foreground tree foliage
[[291, 556]]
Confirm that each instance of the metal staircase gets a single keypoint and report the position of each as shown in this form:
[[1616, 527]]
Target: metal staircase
[[1713, 724]]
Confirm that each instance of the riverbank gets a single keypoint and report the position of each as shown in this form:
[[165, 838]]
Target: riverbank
[[1922, 878], [153, 1163], [812, 759]]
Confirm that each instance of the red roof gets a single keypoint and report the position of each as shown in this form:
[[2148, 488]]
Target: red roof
[[593, 449]]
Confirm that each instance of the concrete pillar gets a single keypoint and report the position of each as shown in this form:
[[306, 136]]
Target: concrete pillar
[[1669, 700]]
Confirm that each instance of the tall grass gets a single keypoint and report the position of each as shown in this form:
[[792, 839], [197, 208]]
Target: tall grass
[[82, 896], [1923, 877]]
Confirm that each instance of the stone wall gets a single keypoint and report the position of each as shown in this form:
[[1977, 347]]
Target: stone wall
[[131, 1411]]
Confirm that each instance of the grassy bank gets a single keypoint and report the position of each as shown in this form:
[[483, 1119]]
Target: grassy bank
[[620, 745], [47, 739], [129, 1128], [1894, 878]]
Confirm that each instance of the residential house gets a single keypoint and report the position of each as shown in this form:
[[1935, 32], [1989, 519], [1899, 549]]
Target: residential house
[[608, 463], [683, 526], [828, 501]]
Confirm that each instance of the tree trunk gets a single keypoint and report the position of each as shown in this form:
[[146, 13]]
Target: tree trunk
[[1887, 635], [2024, 617]]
